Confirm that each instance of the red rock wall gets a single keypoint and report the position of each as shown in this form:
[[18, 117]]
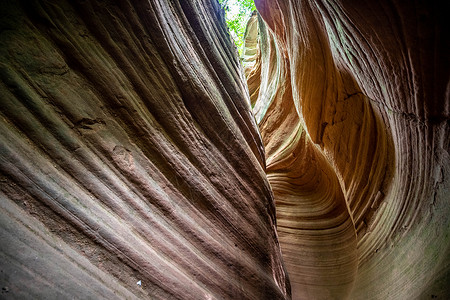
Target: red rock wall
[[128, 154], [353, 107]]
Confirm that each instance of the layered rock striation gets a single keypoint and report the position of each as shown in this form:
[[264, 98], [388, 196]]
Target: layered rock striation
[[131, 165], [353, 109], [135, 163]]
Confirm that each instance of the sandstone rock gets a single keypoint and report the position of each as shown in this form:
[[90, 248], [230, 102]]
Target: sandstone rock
[[132, 166], [129, 154], [353, 109]]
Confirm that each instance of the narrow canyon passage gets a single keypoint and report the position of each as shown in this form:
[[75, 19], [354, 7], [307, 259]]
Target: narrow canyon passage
[[140, 160]]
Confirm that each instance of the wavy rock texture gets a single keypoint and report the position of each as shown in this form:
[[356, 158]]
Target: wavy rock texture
[[353, 107], [251, 57], [129, 154]]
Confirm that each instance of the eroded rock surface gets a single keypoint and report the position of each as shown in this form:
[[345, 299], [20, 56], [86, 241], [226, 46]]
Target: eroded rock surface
[[353, 107], [131, 165]]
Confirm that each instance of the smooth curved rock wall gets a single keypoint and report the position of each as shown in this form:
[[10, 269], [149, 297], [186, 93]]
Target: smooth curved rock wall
[[353, 108], [129, 153], [131, 165]]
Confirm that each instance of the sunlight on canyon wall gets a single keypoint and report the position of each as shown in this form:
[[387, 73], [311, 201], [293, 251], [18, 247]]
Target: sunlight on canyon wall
[[352, 106]]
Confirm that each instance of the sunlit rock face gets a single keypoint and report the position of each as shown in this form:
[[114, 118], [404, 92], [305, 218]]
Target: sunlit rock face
[[131, 165], [353, 108]]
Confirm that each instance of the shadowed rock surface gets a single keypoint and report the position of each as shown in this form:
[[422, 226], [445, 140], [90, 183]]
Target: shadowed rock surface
[[135, 163], [129, 153]]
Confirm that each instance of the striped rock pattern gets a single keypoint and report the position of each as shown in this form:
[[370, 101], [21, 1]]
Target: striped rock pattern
[[353, 108], [131, 165]]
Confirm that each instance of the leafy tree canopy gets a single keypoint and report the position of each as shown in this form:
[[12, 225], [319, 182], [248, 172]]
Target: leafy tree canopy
[[237, 13]]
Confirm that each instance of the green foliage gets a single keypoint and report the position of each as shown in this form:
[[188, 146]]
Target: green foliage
[[237, 13]]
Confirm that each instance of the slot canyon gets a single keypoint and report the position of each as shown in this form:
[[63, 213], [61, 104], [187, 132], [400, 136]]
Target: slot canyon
[[142, 158]]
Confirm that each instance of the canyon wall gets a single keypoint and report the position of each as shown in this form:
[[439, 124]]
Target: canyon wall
[[135, 163], [352, 101], [131, 165]]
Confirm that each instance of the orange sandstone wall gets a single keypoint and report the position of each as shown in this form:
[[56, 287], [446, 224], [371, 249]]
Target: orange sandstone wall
[[131, 166], [353, 108]]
